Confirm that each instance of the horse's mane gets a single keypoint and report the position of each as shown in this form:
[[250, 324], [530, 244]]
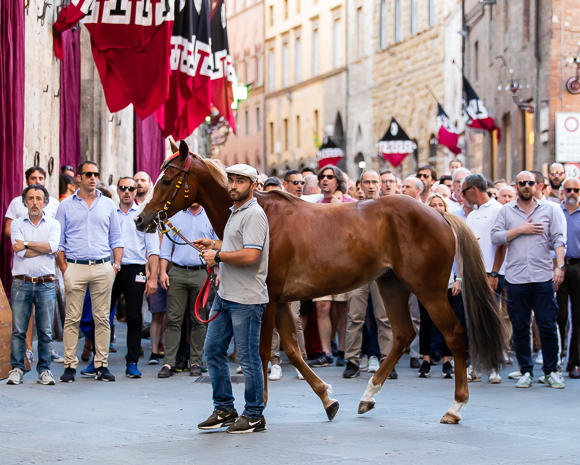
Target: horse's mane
[[216, 169]]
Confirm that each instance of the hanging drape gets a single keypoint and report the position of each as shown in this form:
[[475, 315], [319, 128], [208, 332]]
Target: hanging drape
[[11, 118], [70, 99], [149, 146]]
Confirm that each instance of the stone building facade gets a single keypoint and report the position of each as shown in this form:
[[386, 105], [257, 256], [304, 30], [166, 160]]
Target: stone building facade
[[305, 80], [417, 59], [246, 39], [512, 40]]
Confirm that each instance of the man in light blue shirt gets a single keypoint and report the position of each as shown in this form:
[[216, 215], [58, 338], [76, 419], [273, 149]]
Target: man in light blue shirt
[[90, 231], [184, 280], [134, 279], [34, 239]]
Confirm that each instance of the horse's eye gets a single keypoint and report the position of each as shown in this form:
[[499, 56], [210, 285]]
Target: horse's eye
[[166, 182]]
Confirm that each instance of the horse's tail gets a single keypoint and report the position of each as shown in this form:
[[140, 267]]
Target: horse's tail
[[487, 341]]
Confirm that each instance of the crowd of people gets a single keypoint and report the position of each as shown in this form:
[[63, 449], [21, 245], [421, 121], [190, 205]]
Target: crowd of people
[[86, 245]]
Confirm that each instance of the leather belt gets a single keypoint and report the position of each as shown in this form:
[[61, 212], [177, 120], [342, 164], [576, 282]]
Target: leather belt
[[571, 261], [191, 268], [40, 279], [89, 262]]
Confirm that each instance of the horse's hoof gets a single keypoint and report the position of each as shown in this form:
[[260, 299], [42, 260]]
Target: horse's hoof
[[450, 419], [365, 406], [332, 410]]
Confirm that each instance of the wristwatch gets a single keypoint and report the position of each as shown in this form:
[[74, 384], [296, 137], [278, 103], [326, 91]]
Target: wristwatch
[[562, 267], [217, 257], [25, 244], [118, 267], [494, 274]]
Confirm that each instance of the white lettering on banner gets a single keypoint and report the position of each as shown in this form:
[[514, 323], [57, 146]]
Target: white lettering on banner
[[163, 12], [186, 61], [92, 14], [223, 61], [116, 12], [476, 110], [446, 123], [330, 153], [396, 146], [143, 16]]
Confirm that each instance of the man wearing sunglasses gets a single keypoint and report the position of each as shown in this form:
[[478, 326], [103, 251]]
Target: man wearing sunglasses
[[90, 233], [570, 287], [428, 176], [556, 175], [293, 182], [530, 227], [140, 250]]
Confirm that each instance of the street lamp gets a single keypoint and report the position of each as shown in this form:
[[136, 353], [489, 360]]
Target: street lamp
[[513, 87], [573, 84]]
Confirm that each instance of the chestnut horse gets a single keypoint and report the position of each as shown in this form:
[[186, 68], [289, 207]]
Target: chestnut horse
[[318, 250]]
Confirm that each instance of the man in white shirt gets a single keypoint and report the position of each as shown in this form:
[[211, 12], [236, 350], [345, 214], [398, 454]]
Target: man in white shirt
[[34, 239], [37, 176], [481, 221]]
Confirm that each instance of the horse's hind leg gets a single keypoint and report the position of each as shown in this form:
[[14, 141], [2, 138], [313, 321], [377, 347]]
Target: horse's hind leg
[[395, 296], [287, 330], [266, 333], [442, 315]]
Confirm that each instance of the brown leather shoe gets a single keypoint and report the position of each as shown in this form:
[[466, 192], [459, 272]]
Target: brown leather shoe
[[195, 370], [165, 372], [574, 373]]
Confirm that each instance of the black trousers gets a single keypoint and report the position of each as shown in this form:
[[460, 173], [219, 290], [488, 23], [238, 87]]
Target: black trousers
[[125, 283], [570, 288]]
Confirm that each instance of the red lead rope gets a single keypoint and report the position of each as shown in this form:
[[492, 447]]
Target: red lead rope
[[202, 297]]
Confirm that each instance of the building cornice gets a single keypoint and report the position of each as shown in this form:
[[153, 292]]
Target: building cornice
[[322, 77]]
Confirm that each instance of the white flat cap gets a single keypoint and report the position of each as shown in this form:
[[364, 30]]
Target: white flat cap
[[243, 170]]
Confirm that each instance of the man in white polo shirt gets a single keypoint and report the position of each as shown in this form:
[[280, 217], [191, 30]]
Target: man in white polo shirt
[[241, 301], [481, 221]]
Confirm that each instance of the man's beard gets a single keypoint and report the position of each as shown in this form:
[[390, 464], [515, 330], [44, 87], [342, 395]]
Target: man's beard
[[525, 195], [571, 201], [555, 183], [241, 195]]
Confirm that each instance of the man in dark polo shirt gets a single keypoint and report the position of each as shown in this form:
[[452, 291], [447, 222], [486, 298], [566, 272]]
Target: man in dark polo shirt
[[242, 297]]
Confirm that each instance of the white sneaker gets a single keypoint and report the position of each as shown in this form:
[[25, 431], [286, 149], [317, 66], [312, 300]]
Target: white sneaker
[[46, 378], [542, 379], [364, 363], [239, 369], [525, 381], [275, 373], [299, 375], [55, 357], [515, 375], [30, 355], [539, 358], [494, 377], [373, 365], [472, 375], [15, 376]]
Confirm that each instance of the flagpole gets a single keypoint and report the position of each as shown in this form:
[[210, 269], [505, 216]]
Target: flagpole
[[432, 94]]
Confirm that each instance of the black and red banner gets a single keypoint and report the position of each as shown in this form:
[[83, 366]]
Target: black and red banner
[[396, 144], [223, 75], [447, 132], [329, 153], [476, 113]]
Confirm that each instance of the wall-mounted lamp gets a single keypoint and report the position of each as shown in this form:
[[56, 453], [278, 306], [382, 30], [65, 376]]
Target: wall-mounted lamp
[[573, 84], [513, 86]]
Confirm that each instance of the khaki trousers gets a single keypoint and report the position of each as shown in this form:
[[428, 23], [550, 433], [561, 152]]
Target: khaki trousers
[[99, 279], [295, 306], [357, 310]]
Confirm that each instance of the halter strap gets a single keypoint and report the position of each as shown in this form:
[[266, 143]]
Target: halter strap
[[184, 176]]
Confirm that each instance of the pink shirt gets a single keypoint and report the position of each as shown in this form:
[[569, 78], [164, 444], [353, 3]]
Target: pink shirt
[[345, 199]]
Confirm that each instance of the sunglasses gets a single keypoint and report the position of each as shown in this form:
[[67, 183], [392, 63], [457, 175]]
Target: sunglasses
[[529, 183], [127, 188], [423, 175], [298, 182], [569, 190], [90, 174], [465, 190], [68, 168], [327, 176], [557, 173]]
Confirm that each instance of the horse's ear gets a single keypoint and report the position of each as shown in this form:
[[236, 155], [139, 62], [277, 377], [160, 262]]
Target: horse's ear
[[183, 149], [174, 148]]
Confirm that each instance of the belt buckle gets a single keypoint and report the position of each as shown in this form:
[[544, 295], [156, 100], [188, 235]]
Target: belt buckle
[[92, 262], [34, 280]]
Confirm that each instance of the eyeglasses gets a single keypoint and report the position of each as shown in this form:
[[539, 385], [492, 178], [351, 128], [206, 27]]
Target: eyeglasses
[[569, 190], [557, 173], [330, 177], [298, 182], [424, 175], [463, 191], [529, 183], [127, 188], [388, 181], [90, 174], [260, 184], [68, 168], [368, 183]]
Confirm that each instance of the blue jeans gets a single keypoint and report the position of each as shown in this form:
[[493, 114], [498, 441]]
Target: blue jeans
[[43, 296], [539, 297], [243, 322]]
